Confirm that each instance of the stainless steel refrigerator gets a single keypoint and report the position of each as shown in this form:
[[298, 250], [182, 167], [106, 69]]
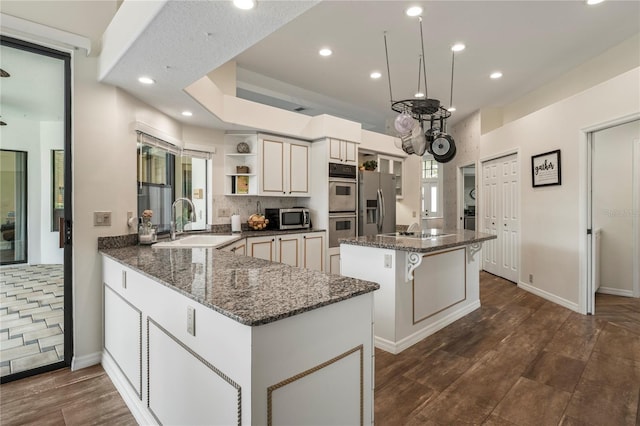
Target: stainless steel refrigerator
[[376, 203]]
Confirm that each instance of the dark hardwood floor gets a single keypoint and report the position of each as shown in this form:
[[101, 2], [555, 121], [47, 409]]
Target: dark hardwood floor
[[518, 360]]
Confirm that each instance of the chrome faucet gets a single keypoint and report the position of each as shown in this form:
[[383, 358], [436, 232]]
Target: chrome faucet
[[192, 216]]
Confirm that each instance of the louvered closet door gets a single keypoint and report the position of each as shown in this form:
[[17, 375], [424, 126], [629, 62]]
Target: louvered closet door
[[501, 216]]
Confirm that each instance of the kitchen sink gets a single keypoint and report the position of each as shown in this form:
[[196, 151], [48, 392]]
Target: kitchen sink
[[197, 241]]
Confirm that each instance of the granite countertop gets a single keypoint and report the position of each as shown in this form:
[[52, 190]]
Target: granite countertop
[[249, 290], [399, 241]]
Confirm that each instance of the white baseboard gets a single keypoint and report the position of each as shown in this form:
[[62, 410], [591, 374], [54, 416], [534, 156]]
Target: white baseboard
[[135, 405], [615, 291], [412, 339], [549, 296], [79, 362]]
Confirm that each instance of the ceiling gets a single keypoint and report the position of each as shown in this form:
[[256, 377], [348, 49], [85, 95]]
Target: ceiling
[[276, 48], [531, 42]]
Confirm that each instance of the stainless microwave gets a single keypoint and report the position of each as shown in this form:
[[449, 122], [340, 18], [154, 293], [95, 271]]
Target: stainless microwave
[[292, 218]]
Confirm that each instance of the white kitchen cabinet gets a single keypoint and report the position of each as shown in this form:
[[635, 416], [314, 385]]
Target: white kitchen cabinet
[[238, 247], [284, 167], [241, 168], [343, 151], [305, 250], [334, 260], [122, 327], [393, 165], [313, 251]]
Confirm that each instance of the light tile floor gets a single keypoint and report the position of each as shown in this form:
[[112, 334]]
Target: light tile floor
[[31, 317]]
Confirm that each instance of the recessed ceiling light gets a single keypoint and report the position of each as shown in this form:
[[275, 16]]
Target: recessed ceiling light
[[495, 75], [414, 11], [146, 80], [325, 52], [375, 74], [458, 47], [419, 95], [187, 113], [244, 4], [592, 2], [451, 109]]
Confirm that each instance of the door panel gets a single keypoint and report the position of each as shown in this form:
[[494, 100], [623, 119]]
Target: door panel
[[299, 169], [501, 216], [272, 166]]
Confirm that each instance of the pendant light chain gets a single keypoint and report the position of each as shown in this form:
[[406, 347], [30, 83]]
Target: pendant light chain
[[453, 57], [386, 54], [424, 61]]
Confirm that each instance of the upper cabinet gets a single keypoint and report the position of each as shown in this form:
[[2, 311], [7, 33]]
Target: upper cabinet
[[241, 164], [284, 170], [343, 151]]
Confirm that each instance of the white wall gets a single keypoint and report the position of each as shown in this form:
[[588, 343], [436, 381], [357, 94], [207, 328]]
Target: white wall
[[550, 231], [613, 204]]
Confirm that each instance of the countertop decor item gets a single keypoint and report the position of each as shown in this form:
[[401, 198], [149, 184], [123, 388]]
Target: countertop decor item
[[146, 230], [257, 222], [370, 165], [243, 148]]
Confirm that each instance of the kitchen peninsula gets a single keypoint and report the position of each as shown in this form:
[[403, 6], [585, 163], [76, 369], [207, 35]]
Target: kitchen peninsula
[[204, 336], [427, 280]]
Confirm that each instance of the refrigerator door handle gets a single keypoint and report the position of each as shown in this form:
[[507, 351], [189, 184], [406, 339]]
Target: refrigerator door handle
[[379, 210], [384, 210]]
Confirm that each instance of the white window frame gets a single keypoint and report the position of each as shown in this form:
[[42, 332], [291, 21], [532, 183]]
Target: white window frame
[[427, 186]]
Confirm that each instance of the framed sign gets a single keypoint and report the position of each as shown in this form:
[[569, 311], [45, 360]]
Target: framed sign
[[545, 169]]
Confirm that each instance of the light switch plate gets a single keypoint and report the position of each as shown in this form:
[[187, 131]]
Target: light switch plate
[[191, 320], [387, 261], [101, 218]]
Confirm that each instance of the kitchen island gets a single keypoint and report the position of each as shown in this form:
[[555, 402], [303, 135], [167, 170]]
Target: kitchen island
[[427, 280], [203, 336]]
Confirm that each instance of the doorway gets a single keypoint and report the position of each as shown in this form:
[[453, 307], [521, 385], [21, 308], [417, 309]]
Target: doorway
[[501, 216], [35, 210], [467, 197], [613, 212]]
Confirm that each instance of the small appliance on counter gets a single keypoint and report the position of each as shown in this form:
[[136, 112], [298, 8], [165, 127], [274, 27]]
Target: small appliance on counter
[[291, 218]]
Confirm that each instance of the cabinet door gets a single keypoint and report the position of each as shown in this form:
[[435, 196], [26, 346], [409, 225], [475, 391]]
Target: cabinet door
[[239, 247], [335, 150], [334, 263], [289, 250], [123, 336], [272, 176], [262, 248], [350, 152], [298, 169], [313, 251]]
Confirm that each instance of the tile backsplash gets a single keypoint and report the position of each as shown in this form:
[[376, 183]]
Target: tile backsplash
[[247, 206]]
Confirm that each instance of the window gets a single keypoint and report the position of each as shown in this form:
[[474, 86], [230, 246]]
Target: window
[[431, 187], [165, 174]]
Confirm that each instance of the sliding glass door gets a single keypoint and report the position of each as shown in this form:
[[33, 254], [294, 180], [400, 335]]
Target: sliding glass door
[[35, 209]]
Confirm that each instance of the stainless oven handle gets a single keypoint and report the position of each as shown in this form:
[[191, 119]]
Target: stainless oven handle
[[338, 216], [342, 180], [379, 210], [384, 210]]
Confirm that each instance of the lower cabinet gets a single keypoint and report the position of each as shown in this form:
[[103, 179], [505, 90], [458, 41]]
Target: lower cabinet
[[299, 250], [334, 260], [238, 247]]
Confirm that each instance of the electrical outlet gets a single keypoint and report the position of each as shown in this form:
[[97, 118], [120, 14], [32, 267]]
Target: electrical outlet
[[224, 212], [387, 261], [530, 278], [414, 214], [129, 215], [191, 320], [101, 218]]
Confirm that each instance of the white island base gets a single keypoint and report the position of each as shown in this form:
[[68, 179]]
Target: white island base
[[412, 304]]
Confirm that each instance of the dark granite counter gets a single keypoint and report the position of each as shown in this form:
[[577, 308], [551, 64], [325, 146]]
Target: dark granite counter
[[430, 240], [249, 290]]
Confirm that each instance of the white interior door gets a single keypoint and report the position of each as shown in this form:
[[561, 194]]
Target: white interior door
[[501, 216]]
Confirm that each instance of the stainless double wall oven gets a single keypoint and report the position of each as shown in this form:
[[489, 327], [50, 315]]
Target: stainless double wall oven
[[343, 199]]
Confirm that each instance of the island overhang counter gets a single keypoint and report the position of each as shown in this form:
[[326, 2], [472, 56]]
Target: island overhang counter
[[427, 280], [202, 336]]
